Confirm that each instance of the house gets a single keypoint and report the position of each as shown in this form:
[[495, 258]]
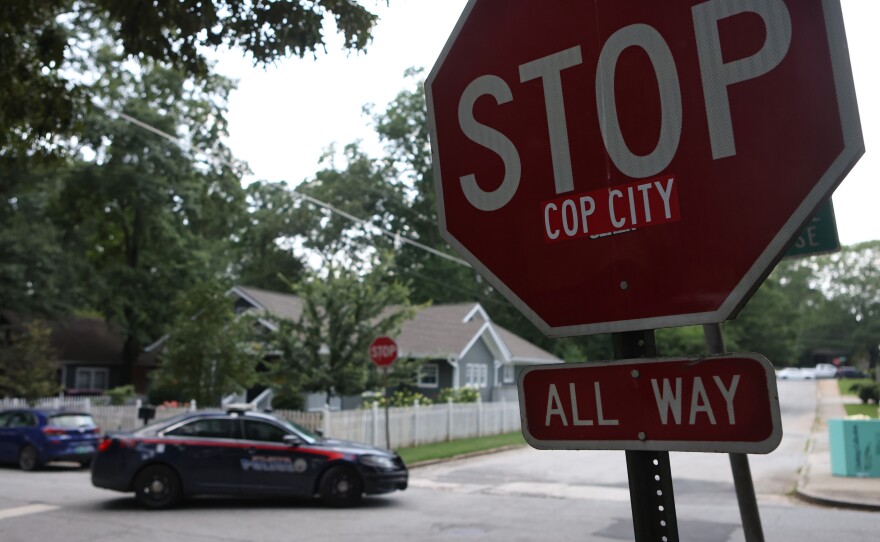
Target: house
[[89, 354], [459, 344]]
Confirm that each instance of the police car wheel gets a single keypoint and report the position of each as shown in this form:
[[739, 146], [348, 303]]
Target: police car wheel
[[28, 458], [341, 486], [157, 487]]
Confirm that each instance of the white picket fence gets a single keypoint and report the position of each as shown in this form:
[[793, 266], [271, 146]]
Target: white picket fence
[[408, 426]]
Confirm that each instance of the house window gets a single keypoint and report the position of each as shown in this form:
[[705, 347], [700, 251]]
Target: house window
[[508, 374], [91, 378], [476, 375], [429, 375]]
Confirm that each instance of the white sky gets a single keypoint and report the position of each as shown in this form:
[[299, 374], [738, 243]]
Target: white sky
[[282, 118]]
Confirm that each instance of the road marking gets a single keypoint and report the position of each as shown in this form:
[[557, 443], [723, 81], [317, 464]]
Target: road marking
[[7, 513]]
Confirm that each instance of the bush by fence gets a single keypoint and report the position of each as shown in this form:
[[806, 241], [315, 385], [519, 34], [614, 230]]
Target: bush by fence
[[409, 426]]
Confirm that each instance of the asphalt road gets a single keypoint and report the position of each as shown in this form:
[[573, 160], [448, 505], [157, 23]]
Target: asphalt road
[[518, 495]]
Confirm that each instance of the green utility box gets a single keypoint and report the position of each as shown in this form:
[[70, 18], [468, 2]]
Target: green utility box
[[855, 447]]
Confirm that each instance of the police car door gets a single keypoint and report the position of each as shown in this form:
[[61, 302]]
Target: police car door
[[272, 465], [205, 452]]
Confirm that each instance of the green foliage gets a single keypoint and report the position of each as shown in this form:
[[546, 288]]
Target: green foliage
[[158, 395], [27, 363], [43, 42], [35, 271], [681, 341], [145, 218], [264, 247], [208, 353], [868, 392], [458, 395], [345, 307], [400, 398], [120, 395], [767, 325]]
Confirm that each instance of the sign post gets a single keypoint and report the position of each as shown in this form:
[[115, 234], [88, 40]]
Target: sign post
[[636, 167], [383, 352], [631, 167]]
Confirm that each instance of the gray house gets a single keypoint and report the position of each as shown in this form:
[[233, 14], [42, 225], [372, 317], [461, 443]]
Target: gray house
[[462, 347], [459, 344]]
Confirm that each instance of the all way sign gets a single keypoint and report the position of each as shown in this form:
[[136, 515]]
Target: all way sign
[[725, 403]]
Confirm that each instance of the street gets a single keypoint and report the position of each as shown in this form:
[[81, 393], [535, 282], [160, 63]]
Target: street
[[517, 495]]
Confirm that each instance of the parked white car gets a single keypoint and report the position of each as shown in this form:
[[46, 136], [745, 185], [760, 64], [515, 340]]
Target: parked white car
[[796, 373], [825, 370]]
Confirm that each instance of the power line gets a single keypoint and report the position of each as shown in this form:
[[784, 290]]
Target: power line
[[394, 235]]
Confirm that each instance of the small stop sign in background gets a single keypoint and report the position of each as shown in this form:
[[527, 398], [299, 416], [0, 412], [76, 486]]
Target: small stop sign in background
[[383, 351]]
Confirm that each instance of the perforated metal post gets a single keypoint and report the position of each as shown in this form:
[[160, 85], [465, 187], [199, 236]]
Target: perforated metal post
[[650, 477], [739, 463]]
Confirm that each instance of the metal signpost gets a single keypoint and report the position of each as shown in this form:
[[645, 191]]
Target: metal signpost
[[383, 352], [635, 165]]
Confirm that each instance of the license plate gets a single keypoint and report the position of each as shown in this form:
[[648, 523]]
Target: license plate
[[84, 449]]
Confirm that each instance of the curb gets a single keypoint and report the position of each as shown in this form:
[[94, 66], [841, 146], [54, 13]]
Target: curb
[[429, 462], [801, 490]]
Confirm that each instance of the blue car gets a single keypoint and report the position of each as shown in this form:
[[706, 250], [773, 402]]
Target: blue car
[[240, 452], [33, 437]]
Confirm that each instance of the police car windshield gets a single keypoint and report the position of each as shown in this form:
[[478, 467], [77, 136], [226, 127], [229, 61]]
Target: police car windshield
[[308, 435]]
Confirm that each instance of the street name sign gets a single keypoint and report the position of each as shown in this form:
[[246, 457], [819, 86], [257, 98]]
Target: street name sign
[[819, 237], [614, 166], [726, 403]]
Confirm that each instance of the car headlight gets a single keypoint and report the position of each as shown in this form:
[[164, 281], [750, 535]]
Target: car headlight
[[378, 461]]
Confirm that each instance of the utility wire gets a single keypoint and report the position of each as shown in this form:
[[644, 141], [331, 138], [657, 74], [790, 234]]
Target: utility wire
[[394, 235]]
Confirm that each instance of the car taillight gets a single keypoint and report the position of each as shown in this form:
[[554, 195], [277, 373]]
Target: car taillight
[[96, 430], [53, 431], [104, 445]]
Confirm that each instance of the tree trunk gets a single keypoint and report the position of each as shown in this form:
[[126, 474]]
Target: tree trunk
[[130, 353]]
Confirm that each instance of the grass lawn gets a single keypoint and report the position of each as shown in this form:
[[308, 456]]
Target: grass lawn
[[442, 450], [867, 410], [845, 385]]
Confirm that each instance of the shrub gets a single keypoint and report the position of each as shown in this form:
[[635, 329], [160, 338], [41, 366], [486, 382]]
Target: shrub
[[158, 396], [869, 393], [400, 398], [121, 394], [458, 395]]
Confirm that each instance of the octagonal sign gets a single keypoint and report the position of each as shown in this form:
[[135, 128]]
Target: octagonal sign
[[612, 166]]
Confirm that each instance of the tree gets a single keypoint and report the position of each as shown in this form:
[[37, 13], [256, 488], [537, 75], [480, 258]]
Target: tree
[[346, 306], [27, 363], [42, 41], [767, 325], [362, 189], [35, 271], [681, 341], [852, 277], [148, 218], [265, 242], [209, 352]]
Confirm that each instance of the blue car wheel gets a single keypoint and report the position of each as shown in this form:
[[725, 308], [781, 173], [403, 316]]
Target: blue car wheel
[[28, 459]]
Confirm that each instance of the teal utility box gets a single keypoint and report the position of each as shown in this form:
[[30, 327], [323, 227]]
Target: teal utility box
[[855, 447]]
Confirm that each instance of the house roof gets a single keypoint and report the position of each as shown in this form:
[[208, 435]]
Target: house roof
[[435, 332], [277, 304], [448, 331]]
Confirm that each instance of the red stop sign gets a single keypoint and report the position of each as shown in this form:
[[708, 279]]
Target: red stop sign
[[612, 166], [383, 351]]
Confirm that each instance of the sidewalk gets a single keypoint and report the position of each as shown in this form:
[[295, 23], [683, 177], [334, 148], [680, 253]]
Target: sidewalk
[[815, 482]]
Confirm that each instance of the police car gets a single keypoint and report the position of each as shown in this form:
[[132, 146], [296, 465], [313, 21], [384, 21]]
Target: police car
[[239, 452]]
